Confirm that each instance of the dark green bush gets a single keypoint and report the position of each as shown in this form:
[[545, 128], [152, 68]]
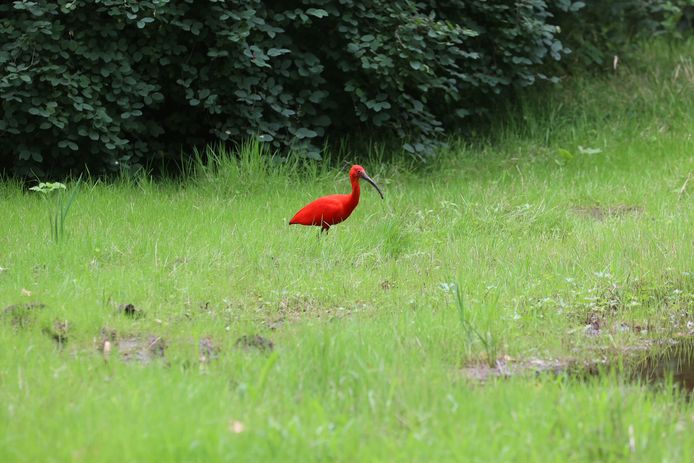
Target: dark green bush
[[108, 83], [605, 29], [112, 82]]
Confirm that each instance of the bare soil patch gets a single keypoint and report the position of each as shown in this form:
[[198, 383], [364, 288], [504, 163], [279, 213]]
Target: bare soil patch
[[22, 315], [255, 342], [601, 213], [651, 362]]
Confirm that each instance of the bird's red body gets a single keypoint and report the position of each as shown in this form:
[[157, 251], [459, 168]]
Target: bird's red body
[[333, 209]]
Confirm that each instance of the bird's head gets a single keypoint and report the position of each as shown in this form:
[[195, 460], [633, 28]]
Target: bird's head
[[357, 172]]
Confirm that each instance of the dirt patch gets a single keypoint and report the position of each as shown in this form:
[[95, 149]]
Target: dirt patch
[[208, 350], [108, 334], [275, 323], [597, 323], [294, 309], [22, 315], [650, 362], [143, 349], [129, 310], [507, 367], [605, 212], [255, 342], [676, 361], [58, 331], [298, 304], [332, 314]]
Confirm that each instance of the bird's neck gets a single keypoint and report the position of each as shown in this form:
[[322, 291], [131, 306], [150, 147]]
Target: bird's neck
[[354, 197]]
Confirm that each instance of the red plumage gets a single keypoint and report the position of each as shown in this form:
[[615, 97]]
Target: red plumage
[[333, 209]]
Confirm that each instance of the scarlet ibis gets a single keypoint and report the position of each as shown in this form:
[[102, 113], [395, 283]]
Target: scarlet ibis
[[333, 209]]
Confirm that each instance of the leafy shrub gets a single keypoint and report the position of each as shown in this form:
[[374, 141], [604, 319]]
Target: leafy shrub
[[119, 82], [602, 30], [113, 83]]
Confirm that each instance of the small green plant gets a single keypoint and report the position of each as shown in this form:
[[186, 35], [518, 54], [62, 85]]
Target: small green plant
[[59, 207], [486, 336]]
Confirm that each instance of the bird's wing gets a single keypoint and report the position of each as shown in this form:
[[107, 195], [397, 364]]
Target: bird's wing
[[328, 209]]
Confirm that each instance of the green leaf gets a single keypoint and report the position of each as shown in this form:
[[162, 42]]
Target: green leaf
[[317, 12], [144, 21], [575, 6], [380, 118], [322, 121], [462, 112], [277, 51], [305, 133]]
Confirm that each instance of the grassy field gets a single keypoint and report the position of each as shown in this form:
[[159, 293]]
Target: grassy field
[[569, 236]]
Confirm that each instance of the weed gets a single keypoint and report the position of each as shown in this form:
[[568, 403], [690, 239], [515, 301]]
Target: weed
[[486, 335], [60, 205]]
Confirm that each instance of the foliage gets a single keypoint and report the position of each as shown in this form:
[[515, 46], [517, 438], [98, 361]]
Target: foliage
[[114, 84], [155, 76], [60, 206], [602, 30]]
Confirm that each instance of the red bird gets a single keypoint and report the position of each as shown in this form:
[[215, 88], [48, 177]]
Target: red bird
[[333, 209]]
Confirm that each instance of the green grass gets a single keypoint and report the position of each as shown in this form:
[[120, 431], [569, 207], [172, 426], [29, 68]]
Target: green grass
[[369, 344]]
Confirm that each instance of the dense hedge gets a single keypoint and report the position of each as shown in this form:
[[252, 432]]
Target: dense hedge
[[109, 83], [605, 29]]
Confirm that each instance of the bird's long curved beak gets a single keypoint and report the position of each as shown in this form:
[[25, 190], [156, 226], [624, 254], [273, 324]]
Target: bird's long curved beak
[[373, 184]]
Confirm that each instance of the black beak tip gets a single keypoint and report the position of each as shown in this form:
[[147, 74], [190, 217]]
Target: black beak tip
[[373, 184]]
